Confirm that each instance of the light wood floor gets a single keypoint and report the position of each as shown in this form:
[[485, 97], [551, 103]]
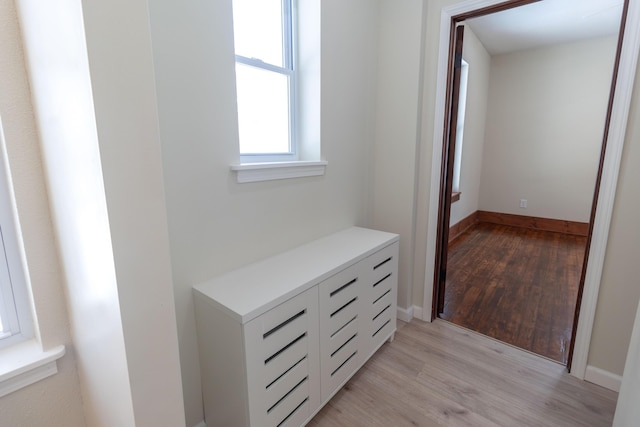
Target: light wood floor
[[441, 374]]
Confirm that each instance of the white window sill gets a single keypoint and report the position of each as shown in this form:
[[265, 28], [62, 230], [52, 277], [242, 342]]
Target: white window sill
[[254, 172], [25, 363]]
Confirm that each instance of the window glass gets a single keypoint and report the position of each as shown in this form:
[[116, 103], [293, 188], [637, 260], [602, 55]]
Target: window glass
[[263, 110], [258, 30]]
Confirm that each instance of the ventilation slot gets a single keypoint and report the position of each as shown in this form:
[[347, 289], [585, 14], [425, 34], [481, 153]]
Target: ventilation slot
[[381, 327], [293, 412], [382, 280], [383, 310], [345, 362], [381, 296], [343, 287], [287, 395], [283, 324], [285, 348], [343, 345], [343, 326], [382, 263], [286, 372], [344, 306]]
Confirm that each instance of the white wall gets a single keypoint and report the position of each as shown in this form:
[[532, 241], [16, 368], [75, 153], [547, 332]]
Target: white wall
[[55, 400], [545, 123], [474, 126], [103, 170], [619, 290], [396, 128], [627, 409], [216, 224]]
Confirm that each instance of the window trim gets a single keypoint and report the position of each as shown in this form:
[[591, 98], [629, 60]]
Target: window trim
[[289, 45], [268, 171], [14, 257]]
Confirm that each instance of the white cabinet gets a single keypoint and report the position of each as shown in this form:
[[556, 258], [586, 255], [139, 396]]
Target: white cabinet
[[278, 338]]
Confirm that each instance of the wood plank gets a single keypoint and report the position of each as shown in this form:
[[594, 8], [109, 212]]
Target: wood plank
[[516, 285], [441, 374], [463, 225], [535, 223]]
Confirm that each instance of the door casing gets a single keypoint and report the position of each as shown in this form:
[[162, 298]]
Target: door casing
[[610, 165]]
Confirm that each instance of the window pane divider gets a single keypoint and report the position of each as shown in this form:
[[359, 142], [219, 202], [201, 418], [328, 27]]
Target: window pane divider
[[258, 63]]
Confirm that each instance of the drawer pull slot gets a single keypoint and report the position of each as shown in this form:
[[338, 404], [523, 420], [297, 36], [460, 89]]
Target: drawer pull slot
[[293, 412], [381, 296], [283, 349], [285, 372], [383, 310], [381, 327], [287, 395], [344, 326], [344, 363], [382, 263], [346, 342], [382, 280], [283, 324], [342, 287], [344, 306]]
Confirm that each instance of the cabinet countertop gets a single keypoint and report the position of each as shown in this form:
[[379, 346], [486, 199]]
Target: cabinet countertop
[[252, 290]]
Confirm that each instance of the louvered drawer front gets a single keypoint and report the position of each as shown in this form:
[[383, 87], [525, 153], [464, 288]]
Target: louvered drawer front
[[381, 295], [284, 363], [340, 313]]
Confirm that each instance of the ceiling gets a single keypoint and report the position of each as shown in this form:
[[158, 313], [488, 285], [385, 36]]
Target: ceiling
[[547, 22]]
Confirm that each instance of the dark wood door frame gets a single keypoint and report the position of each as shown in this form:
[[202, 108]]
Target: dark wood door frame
[[446, 178], [449, 155]]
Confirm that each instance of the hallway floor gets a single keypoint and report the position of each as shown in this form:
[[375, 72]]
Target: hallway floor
[[440, 374]]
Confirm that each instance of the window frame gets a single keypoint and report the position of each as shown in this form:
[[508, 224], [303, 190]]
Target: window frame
[[289, 45], [16, 307], [462, 107]]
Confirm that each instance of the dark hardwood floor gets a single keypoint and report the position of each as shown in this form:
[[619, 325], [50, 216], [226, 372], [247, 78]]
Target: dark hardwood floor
[[516, 285]]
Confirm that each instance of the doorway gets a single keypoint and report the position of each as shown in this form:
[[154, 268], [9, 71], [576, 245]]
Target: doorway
[[462, 17]]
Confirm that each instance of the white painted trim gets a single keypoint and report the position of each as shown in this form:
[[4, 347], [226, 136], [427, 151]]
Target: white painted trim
[[613, 156], [603, 378], [25, 364], [620, 113], [405, 314], [418, 313], [201, 424], [255, 172]]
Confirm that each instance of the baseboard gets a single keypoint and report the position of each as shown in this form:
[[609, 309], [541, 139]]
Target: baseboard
[[461, 226], [405, 314], [535, 223], [201, 424], [417, 313], [603, 378]]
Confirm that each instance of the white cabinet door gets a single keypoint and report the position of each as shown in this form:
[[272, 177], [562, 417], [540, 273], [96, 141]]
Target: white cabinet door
[[380, 296], [283, 364], [341, 350]]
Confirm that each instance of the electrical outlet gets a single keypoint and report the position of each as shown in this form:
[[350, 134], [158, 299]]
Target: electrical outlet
[[523, 203]]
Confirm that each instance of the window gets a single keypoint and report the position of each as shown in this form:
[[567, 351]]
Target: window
[[462, 106], [15, 318], [265, 79]]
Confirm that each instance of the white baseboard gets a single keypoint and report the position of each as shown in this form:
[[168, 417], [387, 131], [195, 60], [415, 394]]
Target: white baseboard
[[405, 314], [603, 378], [201, 424], [417, 313]]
